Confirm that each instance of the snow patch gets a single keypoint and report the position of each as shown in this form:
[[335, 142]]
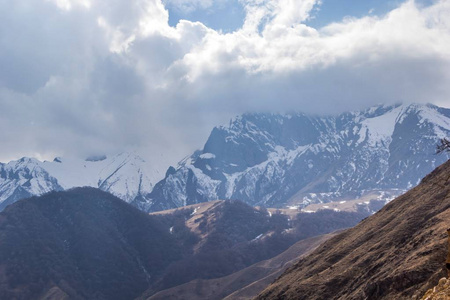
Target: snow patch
[[207, 156], [379, 129]]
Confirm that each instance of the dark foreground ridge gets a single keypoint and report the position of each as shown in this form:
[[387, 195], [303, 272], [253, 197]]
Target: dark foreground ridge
[[398, 253], [80, 244]]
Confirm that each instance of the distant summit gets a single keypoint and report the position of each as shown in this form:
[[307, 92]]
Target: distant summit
[[298, 159], [126, 176]]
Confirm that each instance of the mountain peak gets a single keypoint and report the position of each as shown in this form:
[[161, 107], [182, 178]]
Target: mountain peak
[[125, 175], [263, 159], [298, 159]]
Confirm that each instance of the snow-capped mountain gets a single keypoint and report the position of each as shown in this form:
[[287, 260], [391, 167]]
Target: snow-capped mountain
[[126, 176], [263, 159], [297, 159]]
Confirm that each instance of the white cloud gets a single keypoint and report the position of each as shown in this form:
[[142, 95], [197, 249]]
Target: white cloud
[[83, 76], [69, 4]]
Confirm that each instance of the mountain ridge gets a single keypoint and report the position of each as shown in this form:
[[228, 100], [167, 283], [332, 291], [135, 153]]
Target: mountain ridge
[[296, 159], [125, 175], [273, 160], [398, 253], [81, 244]]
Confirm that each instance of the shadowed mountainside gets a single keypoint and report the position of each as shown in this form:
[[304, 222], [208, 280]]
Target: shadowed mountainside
[[245, 283], [398, 253], [80, 244], [232, 236]]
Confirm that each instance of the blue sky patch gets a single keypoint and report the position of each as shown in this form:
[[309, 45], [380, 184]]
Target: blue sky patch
[[228, 16]]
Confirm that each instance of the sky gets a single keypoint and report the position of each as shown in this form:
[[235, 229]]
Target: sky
[[90, 77]]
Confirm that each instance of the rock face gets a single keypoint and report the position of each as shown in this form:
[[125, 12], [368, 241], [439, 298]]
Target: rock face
[[297, 159], [275, 160], [442, 290], [398, 253], [439, 292]]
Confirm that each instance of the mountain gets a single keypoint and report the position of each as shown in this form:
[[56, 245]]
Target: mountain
[[88, 244], [81, 244], [126, 176], [272, 160], [398, 253], [279, 160], [229, 236], [245, 283]]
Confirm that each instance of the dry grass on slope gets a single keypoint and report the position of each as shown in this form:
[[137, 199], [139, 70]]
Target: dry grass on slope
[[398, 253]]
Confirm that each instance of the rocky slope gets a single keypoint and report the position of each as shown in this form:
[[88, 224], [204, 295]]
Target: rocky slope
[[439, 292], [296, 159], [398, 253], [126, 176], [442, 290]]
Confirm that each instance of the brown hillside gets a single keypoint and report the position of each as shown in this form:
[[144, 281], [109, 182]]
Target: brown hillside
[[249, 281], [398, 253]]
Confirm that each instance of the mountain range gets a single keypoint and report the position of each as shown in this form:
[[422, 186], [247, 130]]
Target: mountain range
[[278, 160], [272, 160]]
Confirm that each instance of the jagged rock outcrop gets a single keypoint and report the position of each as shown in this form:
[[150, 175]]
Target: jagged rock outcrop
[[439, 292]]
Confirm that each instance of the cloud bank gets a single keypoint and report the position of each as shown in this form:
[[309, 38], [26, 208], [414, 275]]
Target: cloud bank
[[83, 77]]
